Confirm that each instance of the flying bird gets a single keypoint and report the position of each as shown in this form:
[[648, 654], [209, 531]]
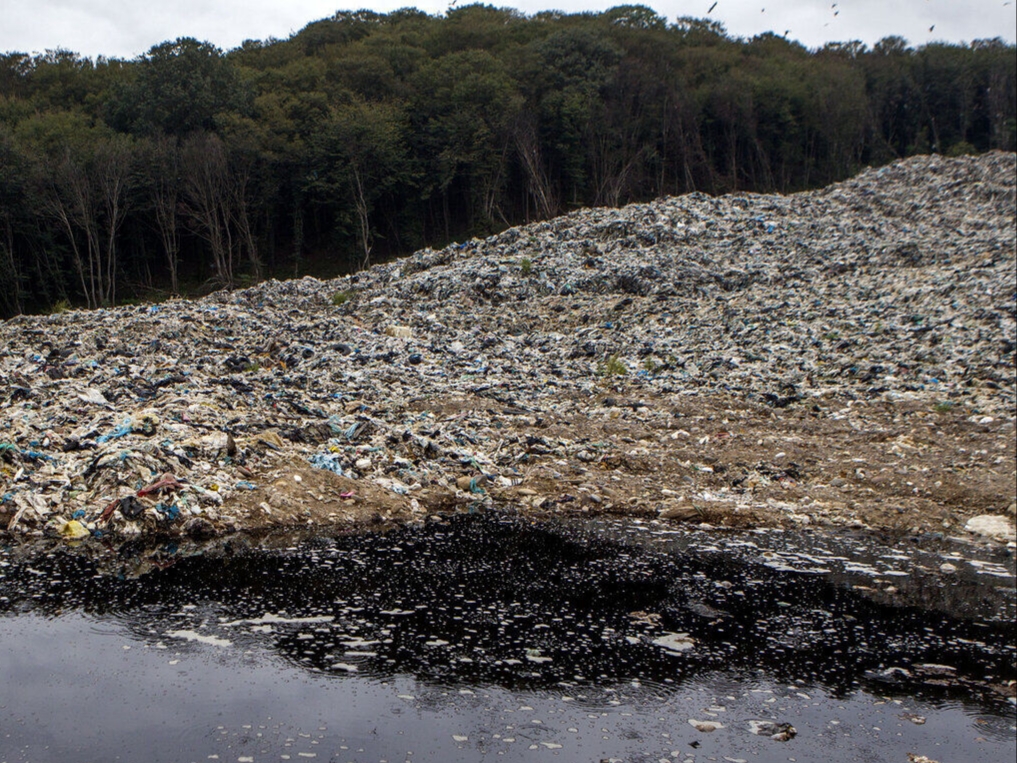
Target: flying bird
[[932, 27], [712, 7]]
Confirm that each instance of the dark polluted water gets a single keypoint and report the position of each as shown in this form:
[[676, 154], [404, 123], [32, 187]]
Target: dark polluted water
[[490, 638]]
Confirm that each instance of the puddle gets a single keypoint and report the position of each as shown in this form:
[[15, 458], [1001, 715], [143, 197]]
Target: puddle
[[494, 638]]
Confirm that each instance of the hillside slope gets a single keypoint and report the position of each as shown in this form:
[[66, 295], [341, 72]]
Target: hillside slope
[[844, 356]]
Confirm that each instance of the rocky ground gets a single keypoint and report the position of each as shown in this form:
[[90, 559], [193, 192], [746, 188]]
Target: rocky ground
[[843, 357]]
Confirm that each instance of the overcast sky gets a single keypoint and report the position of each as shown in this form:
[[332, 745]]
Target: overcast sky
[[126, 28]]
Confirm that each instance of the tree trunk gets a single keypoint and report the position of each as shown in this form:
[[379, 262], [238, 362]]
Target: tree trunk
[[360, 201], [113, 168], [539, 186], [166, 200], [208, 201]]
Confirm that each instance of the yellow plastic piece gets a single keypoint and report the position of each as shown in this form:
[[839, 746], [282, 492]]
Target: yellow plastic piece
[[74, 530]]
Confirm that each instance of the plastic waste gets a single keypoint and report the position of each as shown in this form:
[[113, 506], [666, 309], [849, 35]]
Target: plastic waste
[[74, 530], [784, 302]]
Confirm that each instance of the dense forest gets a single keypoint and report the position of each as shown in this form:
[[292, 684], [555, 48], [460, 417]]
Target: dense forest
[[365, 136]]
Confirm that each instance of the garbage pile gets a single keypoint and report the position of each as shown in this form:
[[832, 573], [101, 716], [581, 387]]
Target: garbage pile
[[445, 379]]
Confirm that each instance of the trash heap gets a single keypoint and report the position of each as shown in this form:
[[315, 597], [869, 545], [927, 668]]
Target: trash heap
[[251, 408]]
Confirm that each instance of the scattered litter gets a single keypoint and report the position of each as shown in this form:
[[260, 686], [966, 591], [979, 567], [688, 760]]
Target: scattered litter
[[779, 732], [188, 635], [675, 642], [992, 526], [893, 286], [705, 726]]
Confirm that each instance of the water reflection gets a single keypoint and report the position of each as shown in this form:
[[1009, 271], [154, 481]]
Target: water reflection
[[581, 609]]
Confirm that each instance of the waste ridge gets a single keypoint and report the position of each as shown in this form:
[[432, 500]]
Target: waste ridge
[[838, 357]]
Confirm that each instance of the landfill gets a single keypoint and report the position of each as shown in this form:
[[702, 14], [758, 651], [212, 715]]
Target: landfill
[[835, 358]]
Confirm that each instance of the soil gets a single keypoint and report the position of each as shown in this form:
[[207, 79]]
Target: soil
[[897, 468]]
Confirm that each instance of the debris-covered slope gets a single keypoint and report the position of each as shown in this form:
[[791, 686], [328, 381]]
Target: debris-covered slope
[[732, 359]]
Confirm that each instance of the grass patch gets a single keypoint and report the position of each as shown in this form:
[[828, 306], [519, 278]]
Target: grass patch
[[341, 298], [612, 366]]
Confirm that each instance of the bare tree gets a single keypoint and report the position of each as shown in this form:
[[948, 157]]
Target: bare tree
[[10, 278], [240, 178], [165, 167], [208, 201], [216, 201], [538, 183], [113, 173], [363, 212], [86, 194], [69, 200]]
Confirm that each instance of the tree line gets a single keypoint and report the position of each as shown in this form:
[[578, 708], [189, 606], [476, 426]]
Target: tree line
[[369, 135]]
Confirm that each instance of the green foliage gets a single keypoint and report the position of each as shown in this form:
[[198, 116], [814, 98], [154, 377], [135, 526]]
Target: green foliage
[[612, 366], [341, 298], [525, 266], [363, 159], [179, 87], [961, 148], [367, 135], [944, 407], [463, 107]]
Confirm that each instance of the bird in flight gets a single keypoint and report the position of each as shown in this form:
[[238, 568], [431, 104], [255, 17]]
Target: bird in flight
[[712, 7], [932, 27]]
